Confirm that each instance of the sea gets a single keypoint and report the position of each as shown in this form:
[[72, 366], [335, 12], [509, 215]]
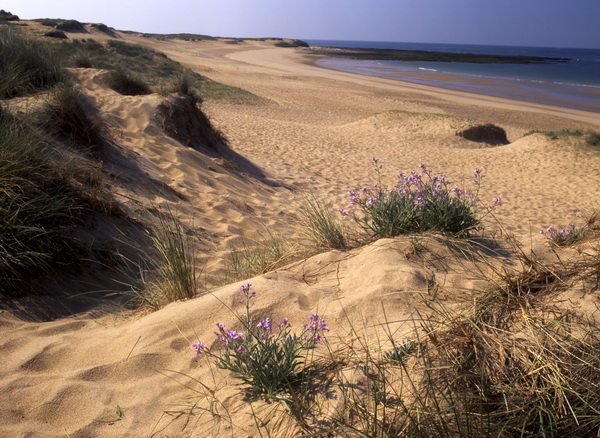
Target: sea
[[571, 84]]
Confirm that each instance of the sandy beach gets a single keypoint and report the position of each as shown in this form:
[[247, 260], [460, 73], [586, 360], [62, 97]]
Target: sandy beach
[[316, 130]]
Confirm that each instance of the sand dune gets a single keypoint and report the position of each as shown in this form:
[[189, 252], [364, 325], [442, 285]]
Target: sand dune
[[118, 375]]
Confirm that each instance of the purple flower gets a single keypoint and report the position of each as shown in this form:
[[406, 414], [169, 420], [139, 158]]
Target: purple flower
[[373, 202], [220, 325], [199, 347], [496, 202], [240, 349], [284, 323], [265, 324], [245, 288]]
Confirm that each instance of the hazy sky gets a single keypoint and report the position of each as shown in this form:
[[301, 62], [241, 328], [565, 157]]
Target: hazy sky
[[555, 23]]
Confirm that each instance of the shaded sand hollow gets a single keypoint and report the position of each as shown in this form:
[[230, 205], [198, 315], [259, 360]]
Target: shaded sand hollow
[[113, 375]]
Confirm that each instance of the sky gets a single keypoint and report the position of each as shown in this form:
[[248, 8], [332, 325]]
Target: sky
[[549, 23]]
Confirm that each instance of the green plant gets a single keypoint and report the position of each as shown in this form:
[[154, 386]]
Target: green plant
[[37, 207], [168, 272], [294, 43], [320, 227], [274, 363], [56, 34], [571, 234], [66, 117], [249, 258], [26, 65], [70, 26], [555, 135], [419, 202]]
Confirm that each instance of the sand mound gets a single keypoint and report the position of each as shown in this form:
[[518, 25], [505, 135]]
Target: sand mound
[[77, 374]]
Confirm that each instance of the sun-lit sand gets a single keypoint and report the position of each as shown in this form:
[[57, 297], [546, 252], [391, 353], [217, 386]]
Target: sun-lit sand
[[317, 131]]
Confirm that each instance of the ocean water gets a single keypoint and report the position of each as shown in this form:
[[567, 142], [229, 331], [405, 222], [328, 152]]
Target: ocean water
[[572, 84]]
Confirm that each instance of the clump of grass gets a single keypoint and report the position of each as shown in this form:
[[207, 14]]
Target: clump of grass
[[66, 116], [182, 118], [417, 203], [250, 258], [182, 84], [56, 34], [320, 227], [70, 26], [273, 362], [124, 83], [37, 206], [593, 138], [169, 273], [26, 66], [555, 135]]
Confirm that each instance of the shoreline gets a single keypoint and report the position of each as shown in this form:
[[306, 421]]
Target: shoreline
[[300, 62], [559, 95]]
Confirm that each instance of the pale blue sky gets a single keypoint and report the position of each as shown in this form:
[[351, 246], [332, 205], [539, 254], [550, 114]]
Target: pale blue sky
[[555, 23]]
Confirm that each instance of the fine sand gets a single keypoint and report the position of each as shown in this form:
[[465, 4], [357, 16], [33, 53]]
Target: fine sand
[[316, 131]]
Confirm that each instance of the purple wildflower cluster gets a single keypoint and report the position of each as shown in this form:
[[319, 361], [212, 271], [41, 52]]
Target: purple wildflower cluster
[[567, 235], [263, 331], [316, 325], [417, 196], [421, 187]]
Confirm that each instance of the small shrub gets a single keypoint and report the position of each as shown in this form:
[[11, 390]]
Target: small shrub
[[58, 34], [72, 26], [273, 362], [182, 118], [593, 139], [555, 135], [126, 84], [48, 22], [102, 28], [419, 202]]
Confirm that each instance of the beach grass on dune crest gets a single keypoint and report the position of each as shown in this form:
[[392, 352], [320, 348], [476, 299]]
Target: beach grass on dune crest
[[248, 258], [145, 65], [70, 117]]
